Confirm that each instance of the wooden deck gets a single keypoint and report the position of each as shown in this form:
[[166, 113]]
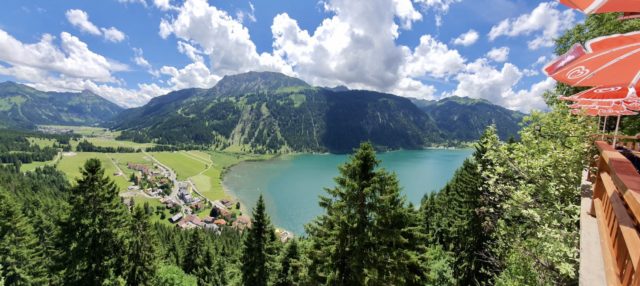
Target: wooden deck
[[591, 264], [616, 206]]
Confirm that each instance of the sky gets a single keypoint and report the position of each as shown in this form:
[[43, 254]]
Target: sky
[[130, 51]]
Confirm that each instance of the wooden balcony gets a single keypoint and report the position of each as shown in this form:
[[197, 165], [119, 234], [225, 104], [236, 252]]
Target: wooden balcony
[[616, 206]]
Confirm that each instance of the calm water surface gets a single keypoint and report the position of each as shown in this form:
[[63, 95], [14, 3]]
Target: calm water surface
[[291, 184]]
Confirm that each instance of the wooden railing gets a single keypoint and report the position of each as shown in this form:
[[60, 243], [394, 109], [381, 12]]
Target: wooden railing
[[616, 206], [629, 142]]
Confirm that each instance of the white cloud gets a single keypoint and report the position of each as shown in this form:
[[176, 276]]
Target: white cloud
[[112, 34], [139, 58], [143, 2], [163, 5], [467, 39], [542, 60], [404, 10], [251, 15], [545, 21], [434, 59], [69, 66], [481, 80], [80, 19], [190, 51], [440, 7], [225, 40], [499, 54], [73, 58], [193, 75], [531, 99], [341, 49]]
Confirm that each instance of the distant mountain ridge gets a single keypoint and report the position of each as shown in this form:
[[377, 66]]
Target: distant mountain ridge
[[267, 111], [23, 107], [271, 111], [465, 119]]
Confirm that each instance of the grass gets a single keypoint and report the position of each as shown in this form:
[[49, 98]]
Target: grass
[[70, 165], [298, 99], [122, 159], [83, 130], [182, 164], [110, 142], [153, 203], [42, 142], [209, 183], [33, 165], [193, 165]]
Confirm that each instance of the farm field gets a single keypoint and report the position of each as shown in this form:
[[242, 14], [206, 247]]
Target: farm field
[[121, 160], [82, 130], [33, 165], [209, 183], [184, 165], [109, 142], [70, 165], [42, 142]]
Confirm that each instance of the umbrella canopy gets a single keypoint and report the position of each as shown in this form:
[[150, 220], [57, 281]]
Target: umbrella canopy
[[603, 6], [602, 112], [604, 105], [604, 93], [606, 62]]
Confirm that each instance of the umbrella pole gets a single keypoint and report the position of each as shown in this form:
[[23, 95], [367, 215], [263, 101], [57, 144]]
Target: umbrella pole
[[604, 127], [599, 119], [616, 134]]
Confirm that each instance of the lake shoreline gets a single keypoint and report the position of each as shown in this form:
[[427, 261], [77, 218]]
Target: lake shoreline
[[284, 187]]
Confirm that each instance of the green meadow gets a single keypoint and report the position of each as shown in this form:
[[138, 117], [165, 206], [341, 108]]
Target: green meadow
[[70, 165]]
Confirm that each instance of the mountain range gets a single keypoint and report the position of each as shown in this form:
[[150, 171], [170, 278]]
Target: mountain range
[[465, 119], [267, 111], [23, 107]]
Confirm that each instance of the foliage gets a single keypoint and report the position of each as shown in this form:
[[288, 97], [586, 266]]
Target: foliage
[[142, 253], [20, 253], [368, 234], [465, 119], [22, 107], [95, 230], [265, 113], [259, 248], [86, 146], [171, 275], [290, 266], [453, 221]]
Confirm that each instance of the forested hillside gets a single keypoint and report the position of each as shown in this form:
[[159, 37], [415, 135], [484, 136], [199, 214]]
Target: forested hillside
[[23, 107], [465, 119], [270, 111]]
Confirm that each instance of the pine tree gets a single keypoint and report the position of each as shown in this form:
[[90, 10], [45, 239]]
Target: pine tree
[[142, 253], [259, 250], [365, 235], [96, 231], [20, 253], [289, 266], [453, 219], [1, 276], [195, 253]]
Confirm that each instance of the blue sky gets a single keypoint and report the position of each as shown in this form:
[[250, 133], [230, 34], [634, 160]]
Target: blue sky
[[129, 51]]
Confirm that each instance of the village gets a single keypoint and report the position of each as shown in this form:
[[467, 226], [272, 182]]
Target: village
[[188, 209]]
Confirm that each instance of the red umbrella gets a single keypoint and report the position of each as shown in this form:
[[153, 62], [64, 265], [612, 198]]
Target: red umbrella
[[617, 109], [603, 6], [606, 62], [605, 93]]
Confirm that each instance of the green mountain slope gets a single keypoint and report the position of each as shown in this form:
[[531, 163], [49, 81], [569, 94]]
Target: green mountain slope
[[271, 111], [465, 119], [22, 107]]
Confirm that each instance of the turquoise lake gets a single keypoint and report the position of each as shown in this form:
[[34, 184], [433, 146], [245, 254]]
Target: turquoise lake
[[291, 184]]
